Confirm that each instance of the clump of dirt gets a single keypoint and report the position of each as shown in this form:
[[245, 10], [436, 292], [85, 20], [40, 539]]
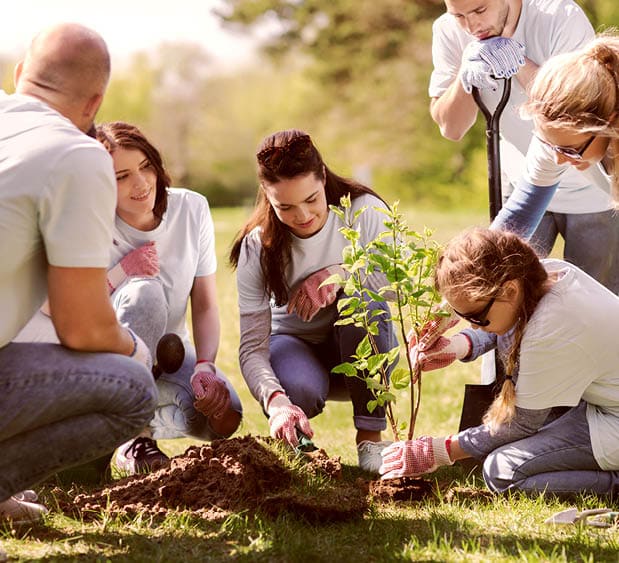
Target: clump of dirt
[[400, 489], [226, 476]]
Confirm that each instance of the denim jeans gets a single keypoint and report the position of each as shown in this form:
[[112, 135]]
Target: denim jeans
[[303, 369], [62, 408], [557, 459], [591, 242], [141, 303]]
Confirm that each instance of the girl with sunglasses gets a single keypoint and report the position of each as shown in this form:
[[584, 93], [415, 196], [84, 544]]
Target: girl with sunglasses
[[289, 246], [573, 102], [555, 328]]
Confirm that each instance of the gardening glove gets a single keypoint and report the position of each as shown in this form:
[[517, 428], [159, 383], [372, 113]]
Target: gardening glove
[[285, 418], [485, 60], [311, 295], [142, 261], [211, 392], [441, 353], [141, 353], [434, 328], [504, 55], [411, 458]]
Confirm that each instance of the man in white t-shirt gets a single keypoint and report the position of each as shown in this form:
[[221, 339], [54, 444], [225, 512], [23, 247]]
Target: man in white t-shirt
[[60, 406], [476, 39]]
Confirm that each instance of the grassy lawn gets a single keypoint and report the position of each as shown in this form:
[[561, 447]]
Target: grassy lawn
[[466, 528]]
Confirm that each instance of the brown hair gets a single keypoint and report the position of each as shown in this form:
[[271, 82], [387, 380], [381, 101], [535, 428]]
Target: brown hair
[[120, 134], [580, 90], [476, 265], [282, 156]]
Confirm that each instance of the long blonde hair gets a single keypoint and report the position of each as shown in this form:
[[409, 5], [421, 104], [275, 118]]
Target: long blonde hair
[[580, 91], [476, 265]]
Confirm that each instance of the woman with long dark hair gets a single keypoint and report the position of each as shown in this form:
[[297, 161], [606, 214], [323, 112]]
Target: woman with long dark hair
[[289, 246]]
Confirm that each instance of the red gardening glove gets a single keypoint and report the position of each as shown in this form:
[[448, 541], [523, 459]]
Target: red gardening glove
[[285, 418], [311, 296], [211, 392], [411, 458], [442, 353], [435, 328], [142, 261]]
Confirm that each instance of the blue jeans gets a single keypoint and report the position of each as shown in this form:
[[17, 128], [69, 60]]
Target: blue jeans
[[591, 242], [62, 408], [141, 303], [303, 369], [558, 459]]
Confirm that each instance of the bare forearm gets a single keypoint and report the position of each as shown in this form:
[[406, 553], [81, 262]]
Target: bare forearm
[[206, 333], [527, 73], [454, 112]]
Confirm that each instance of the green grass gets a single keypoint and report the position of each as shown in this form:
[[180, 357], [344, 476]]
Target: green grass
[[465, 529]]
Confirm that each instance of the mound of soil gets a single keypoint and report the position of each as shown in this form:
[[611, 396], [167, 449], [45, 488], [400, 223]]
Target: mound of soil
[[226, 476]]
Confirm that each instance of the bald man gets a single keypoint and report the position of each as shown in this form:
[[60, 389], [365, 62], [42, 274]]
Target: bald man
[[62, 405]]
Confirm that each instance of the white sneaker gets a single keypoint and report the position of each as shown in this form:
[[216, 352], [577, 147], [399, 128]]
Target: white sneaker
[[27, 495], [369, 454], [14, 511]]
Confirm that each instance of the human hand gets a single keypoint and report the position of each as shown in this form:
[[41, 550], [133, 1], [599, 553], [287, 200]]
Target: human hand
[[428, 335], [441, 353], [285, 418], [211, 392], [311, 295], [142, 261], [140, 352], [504, 55], [411, 458], [485, 60]]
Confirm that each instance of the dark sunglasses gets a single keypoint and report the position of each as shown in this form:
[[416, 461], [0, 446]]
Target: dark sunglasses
[[570, 152], [479, 317], [272, 157]]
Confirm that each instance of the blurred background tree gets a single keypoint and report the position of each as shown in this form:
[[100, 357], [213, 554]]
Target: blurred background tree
[[352, 73]]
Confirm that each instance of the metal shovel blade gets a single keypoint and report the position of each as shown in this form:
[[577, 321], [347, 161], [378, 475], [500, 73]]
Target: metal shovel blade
[[573, 515]]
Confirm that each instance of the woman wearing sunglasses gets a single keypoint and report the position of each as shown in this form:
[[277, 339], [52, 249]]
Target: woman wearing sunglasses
[[287, 248], [555, 328], [574, 103]]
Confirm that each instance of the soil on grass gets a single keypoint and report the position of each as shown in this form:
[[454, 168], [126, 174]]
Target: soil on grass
[[248, 474], [228, 476]]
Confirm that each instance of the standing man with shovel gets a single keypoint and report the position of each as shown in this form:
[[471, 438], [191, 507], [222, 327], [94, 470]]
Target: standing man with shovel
[[477, 42]]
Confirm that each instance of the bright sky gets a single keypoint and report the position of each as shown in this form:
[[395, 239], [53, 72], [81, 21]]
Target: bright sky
[[126, 25]]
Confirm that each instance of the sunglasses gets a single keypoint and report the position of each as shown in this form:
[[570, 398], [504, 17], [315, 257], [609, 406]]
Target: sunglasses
[[272, 157], [479, 317], [570, 152]]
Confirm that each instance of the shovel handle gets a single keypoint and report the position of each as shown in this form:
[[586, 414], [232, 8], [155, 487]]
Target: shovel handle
[[492, 145]]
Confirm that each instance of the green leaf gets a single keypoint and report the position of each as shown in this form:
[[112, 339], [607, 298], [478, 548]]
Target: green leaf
[[400, 378], [346, 368], [364, 348], [372, 406]]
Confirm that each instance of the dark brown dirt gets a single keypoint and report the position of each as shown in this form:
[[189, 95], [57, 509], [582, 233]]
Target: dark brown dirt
[[228, 476], [247, 474]]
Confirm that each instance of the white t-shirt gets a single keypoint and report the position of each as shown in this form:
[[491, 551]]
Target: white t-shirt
[[307, 256], [57, 204], [569, 352], [545, 28], [185, 241]]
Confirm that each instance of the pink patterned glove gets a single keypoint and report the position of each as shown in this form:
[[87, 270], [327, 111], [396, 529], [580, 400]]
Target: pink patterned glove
[[310, 296], [285, 418], [442, 353], [411, 458], [212, 395], [429, 336], [142, 261]]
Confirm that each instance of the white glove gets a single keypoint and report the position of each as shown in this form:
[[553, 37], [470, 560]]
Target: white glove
[[485, 60], [285, 418]]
